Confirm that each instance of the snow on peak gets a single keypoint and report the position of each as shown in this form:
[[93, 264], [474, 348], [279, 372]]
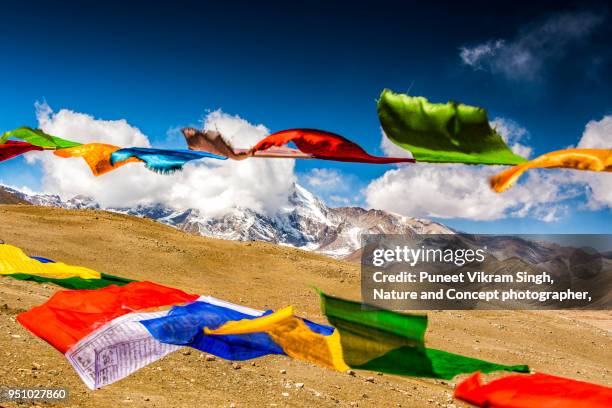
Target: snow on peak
[[306, 222]]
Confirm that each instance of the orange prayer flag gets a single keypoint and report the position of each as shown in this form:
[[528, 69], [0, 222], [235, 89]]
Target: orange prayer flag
[[578, 159], [97, 156]]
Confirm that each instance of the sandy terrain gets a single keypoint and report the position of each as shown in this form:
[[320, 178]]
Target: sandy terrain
[[573, 344]]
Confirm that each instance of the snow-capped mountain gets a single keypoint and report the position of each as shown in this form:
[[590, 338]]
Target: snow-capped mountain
[[52, 200], [306, 222]]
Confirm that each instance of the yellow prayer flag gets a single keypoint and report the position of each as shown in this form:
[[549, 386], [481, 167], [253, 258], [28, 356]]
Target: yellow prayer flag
[[97, 156], [579, 159], [293, 335], [13, 260]]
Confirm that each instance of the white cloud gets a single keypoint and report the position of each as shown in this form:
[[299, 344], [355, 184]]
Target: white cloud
[[462, 191], [211, 186], [342, 201], [391, 149], [476, 55], [600, 189], [327, 179], [525, 56], [84, 128], [513, 134], [597, 135], [333, 186]]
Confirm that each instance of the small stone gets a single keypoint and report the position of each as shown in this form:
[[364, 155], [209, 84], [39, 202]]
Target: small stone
[[380, 373], [15, 336], [283, 371], [186, 353], [353, 404], [236, 366], [35, 366], [147, 399], [232, 405], [369, 379], [254, 364], [210, 357], [351, 372], [285, 394], [364, 395], [299, 385]]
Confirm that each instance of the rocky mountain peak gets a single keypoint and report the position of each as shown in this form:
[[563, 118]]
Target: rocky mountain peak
[[306, 222]]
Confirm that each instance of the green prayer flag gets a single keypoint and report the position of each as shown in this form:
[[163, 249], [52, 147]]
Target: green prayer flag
[[75, 282], [38, 138], [391, 342], [432, 363], [442, 133], [370, 334]]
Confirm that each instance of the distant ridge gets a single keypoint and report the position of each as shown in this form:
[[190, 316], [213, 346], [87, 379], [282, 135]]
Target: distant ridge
[[306, 222], [9, 197]]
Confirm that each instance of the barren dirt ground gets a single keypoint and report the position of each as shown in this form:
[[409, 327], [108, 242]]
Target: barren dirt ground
[[569, 343]]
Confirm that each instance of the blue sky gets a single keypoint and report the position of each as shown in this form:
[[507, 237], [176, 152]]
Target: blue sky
[[312, 65]]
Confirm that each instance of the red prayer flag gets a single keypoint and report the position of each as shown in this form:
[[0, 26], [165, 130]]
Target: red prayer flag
[[12, 148], [70, 315], [533, 391], [324, 145]]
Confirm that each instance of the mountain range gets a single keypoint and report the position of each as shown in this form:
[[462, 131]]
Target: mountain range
[[306, 222]]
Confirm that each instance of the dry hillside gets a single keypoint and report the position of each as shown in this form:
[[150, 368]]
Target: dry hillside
[[9, 198], [260, 275]]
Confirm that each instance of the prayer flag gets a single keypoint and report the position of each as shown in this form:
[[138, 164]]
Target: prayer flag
[[578, 159], [160, 160], [533, 391], [16, 264], [391, 342], [69, 315], [442, 133], [323, 145], [96, 155], [296, 338], [38, 138], [13, 148]]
